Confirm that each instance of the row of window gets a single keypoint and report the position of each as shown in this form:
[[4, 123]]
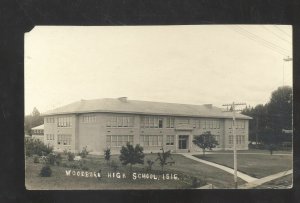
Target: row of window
[[118, 140], [206, 124], [145, 140], [88, 119], [240, 139], [50, 120], [64, 139], [151, 140], [151, 122], [64, 121], [239, 124], [120, 121], [49, 136], [37, 132], [146, 122]]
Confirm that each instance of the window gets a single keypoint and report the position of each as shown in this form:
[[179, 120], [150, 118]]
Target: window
[[50, 120], [183, 121], [88, 119], [170, 122], [217, 138], [216, 124], [240, 124], [120, 121], [151, 140], [49, 137], [64, 139], [64, 122], [230, 139], [197, 123], [118, 140], [170, 140], [151, 122]]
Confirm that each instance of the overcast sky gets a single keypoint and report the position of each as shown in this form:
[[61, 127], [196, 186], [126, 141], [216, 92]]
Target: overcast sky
[[178, 64]]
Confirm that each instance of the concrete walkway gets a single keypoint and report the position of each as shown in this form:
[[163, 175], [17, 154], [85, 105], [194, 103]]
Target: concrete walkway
[[241, 175], [265, 179]]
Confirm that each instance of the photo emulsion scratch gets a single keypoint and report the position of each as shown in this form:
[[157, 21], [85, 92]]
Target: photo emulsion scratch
[[158, 107]]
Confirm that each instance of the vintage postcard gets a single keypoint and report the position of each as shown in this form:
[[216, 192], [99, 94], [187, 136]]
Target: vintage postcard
[[158, 107]]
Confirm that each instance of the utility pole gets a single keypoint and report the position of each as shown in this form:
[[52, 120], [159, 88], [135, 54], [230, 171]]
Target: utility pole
[[233, 110]]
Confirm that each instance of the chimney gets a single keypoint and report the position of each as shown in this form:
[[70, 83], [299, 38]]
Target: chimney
[[209, 106], [123, 99]]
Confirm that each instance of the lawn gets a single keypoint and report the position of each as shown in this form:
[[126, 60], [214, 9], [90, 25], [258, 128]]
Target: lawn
[[187, 171], [249, 151], [280, 183], [256, 165]]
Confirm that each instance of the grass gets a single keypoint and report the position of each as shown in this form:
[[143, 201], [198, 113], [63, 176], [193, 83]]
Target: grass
[[255, 165], [280, 183], [261, 151], [186, 169]]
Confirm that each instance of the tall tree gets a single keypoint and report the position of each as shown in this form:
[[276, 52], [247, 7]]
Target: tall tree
[[280, 109], [33, 120], [269, 119]]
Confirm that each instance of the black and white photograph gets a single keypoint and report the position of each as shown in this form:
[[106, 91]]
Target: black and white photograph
[[158, 107]]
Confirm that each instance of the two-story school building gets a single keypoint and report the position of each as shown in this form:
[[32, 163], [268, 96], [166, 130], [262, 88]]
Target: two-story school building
[[111, 123]]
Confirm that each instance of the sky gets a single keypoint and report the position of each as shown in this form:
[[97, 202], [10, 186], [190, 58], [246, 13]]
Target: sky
[[192, 64]]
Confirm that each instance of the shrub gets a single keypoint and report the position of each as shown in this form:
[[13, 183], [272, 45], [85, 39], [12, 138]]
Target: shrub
[[114, 165], [150, 164], [53, 158], [65, 152], [84, 152], [46, 171], [71, 156], [36, 159], [107, 155], [36, 147], [195, 182]]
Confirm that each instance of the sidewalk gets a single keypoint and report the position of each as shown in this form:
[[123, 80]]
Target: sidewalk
[[241, 175], [265, 179]]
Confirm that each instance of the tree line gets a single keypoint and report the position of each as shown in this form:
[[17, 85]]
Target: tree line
[[271, 118]]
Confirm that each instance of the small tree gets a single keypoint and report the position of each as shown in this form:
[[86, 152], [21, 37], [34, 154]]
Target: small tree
[[150, 164], [205, 141], [107, 155], [131, 155], [163, 158]]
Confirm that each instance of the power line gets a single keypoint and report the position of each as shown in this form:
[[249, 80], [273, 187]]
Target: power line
[[274, 33], [263, 40], [254, 39]]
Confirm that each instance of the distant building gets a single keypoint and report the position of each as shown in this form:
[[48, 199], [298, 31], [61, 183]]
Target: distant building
[[38, 133], [111, 123]]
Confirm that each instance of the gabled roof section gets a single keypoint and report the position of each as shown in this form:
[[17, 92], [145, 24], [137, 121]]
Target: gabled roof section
[[40, 127], [122, 105]]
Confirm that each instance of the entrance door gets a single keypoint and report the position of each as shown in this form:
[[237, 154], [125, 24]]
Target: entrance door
[[183, 141]]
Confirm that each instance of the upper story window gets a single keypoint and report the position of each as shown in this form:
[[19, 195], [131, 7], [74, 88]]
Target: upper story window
[[88, 119], [239, 124], [183, 121], [197, 123], [120, 121], [64, 121], [170, 122], [49, 120], [211, 124], [151, 122]]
